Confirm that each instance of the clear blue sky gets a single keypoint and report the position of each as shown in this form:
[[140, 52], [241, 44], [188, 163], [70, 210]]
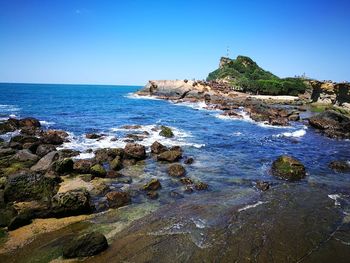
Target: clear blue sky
[[130, 41]]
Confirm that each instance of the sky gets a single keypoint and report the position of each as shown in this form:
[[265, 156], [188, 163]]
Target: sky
[[130, 42]]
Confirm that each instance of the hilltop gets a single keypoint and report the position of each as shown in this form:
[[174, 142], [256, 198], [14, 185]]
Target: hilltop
[[245, 74]]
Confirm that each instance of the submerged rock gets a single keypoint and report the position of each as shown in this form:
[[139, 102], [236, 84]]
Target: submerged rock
[[288, 168], [169, 156], [152, 195], [176, 170], [135, 151], [166, 132], [118, 199], [158, 148], [201, 186], [85, 245], [263, 186], [340, 166], [186, 181], [93, 136], [189, 160], [154, 184]]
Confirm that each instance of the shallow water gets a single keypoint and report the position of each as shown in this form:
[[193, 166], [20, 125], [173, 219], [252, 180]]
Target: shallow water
[[230, 155]]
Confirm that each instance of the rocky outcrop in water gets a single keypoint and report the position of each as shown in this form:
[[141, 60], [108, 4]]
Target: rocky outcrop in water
[[288, 168]]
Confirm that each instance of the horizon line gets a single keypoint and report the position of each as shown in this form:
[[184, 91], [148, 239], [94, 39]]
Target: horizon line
[[76, 84]]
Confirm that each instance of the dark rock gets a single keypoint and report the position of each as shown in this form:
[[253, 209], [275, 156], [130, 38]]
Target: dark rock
[[131, 127], [25, 155], [288, 168], [6, 215], [116, 164], [135, 151], [70, 203], [29, 122], [45, 162], [26, 186], [124, 180], [54, 137], [83, 166], [118, 199], [85, 245], [158, 148], [152, 185], [294, 117], [169, 156], [263, 186], [152, 195], [93, 136], [64, 166], [340, 166], [189, 160], [98, 170], [19, 221], [186, 181], [108, 154], [175, 195], [113, 174], [44, 149], [176, 148], [332, 123], [166, 132], [6, 152], [129, 162], [67, 153], [176, 170], [201, 186]]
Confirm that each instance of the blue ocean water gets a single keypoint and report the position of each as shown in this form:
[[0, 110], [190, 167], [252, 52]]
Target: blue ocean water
[[227, 153]]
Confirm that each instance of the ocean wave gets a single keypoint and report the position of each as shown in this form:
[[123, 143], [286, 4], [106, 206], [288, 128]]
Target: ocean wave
[[9, 108], [7, 136], [201, 105], [47, 123], [138, 97], [295, 134]]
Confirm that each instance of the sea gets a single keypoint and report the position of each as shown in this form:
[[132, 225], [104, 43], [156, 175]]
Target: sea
[[229, 154]]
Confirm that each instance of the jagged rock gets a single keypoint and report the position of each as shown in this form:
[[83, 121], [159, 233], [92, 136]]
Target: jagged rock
[[93, 136], [135, 151], [25, 155], [131, 127], [169, 156], [45, 162], [64, 166], [83, 166], [152, 195], [6, 152], [98, 170], [186, 181], [85, 245], [158, 148], [113, 174], [288, 168], [189, 160], [70, 203], [108, 154], [117, 199], [332, 123], [116, 164], [263, 186], [152, 185], [166, 132], [67, 153], [176, 170], [340, 166], [54, 137], [201, 186]]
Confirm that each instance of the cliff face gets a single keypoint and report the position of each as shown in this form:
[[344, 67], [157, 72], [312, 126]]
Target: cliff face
[[331, 93]]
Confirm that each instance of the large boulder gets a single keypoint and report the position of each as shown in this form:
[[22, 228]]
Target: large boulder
[[117, 199], [70, 203], [45, 162], [85, 245], [64, 166], [135, 151], [169, 156], [288, 168], [29, 122], [54, 137], [25, 155], [108, 154], [176, 170], [83, 166], [152, 185], [44, 149], [158, 148], [116, 164], [332, 123], [26, 186], [340, 166], [98, 170]]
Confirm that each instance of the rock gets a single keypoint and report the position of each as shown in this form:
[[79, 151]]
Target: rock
[[176, 148], [19, 221], [175, 195], [85, 245], [45, 162], [29, 122], [82, 166], [6, 215], [186, 181], [263, 186], [98, 170], [22, 139], [124, 180], [93, 136], [158, 148], [6, 152], [25, 155], [152, 185], [135, 151], [118, 199], [176, 170], [113, 174], [26, 186], [116, 164], [166, 132], [201, 186], [131, 127], [67, 153], [332, 123], [169, 156], [108, 154], [44, 149], [189, 160], [3, 181], [294, 117], [152, 195], [288, 168], [129, 162], [340, 166], [54, 137], [279, 122], [71, 203], [64, 166]]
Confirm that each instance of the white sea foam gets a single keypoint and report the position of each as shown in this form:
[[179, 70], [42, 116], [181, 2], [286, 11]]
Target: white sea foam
[[335, 197], [237, 133], [200, 223], [47, 123], [201, 105], [7, 136], [138, 97], [250, 206], [295, 134]]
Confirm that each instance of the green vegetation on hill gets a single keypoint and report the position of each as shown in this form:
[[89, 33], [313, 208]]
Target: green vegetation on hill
[[245, 74]]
